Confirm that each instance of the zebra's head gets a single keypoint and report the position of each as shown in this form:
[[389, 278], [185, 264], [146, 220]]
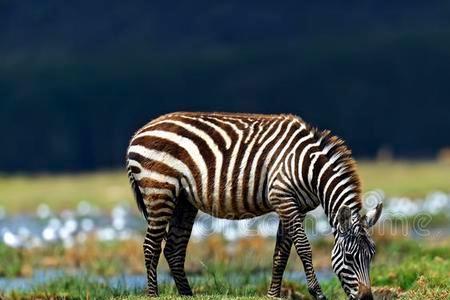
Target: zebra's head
[[353, 250]]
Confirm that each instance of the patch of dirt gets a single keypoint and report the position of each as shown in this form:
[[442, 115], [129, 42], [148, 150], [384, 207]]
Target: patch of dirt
[[385, 293]]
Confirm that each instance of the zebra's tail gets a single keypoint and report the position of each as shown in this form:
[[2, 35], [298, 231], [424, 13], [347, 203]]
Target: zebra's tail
[[137, 193]]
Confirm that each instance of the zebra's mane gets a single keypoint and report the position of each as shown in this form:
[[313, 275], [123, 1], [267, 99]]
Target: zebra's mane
[[344, 160]]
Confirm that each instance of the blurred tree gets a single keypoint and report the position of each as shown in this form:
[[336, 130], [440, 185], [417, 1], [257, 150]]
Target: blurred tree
[[77, 78]]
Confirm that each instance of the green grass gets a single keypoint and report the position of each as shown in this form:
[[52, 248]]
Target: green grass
[[25, 193], [406, 268], [76, 287], [405, 178], [106, 189], [11, 261], [419, 260], [73, 287]]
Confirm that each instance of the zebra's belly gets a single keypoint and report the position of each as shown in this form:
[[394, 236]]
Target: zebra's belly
[[231, 208], [231, 215]]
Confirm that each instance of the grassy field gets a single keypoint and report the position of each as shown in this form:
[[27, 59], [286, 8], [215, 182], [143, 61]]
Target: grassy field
[[422, 272], [404, 269], [106, 189], [405, 178], [25, 193]]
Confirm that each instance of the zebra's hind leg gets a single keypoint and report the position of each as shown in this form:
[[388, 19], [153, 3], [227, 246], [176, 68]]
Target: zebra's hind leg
[[303, 248], [280, 257], [180, 229], [159, 214]]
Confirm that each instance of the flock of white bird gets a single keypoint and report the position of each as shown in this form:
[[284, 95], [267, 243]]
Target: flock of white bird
[[123, 222]]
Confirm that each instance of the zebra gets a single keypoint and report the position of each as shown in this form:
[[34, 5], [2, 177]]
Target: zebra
[[239, 166]]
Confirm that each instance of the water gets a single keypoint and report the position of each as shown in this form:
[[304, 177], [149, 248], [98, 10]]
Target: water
[[68, 227], [137, 282], [45, 275], [27, 283], [46, 227]]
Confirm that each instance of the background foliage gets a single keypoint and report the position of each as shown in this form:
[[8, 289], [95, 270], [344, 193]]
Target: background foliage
[[78, 77]]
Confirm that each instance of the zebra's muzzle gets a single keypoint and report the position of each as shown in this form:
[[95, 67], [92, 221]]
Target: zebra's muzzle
[[364, 292]]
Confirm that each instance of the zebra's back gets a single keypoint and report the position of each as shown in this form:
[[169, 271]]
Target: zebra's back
[[222, 162]]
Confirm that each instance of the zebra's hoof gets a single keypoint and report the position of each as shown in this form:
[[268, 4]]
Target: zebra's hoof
[[274, 296], [317, 294], [152, 294]]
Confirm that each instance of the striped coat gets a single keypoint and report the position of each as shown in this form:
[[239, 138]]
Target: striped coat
[[236, 166]]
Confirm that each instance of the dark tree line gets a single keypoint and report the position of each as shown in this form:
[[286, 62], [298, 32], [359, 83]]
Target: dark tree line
[[76, 79]]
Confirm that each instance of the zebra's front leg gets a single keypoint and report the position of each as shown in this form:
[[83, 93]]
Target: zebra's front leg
[[303, 248], [180, 229], [280, 257]]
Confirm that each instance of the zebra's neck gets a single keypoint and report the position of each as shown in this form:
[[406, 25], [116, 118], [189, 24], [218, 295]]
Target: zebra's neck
[[328, 174]]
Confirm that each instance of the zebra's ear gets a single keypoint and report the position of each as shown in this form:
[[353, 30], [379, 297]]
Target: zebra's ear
[[373, 215], [344, 218]]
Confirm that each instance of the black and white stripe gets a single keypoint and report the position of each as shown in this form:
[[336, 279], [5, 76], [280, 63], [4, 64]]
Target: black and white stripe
[[239, 166]]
